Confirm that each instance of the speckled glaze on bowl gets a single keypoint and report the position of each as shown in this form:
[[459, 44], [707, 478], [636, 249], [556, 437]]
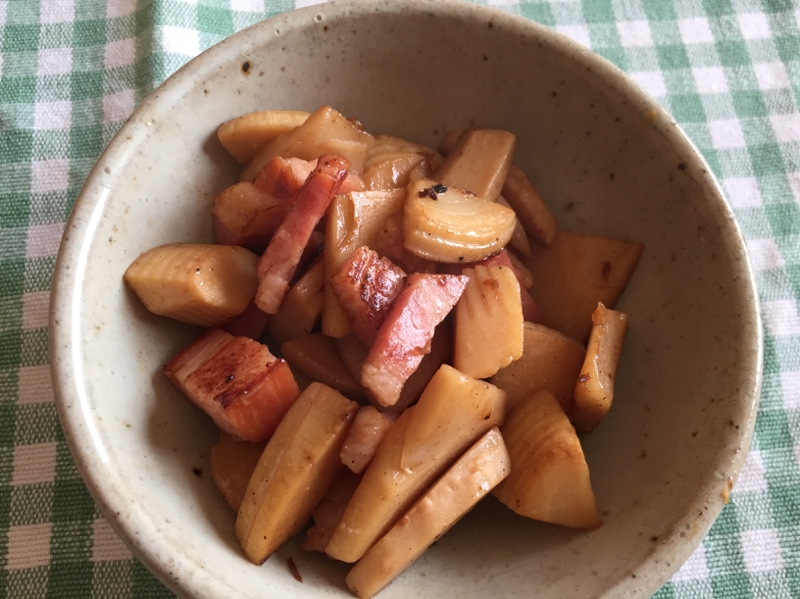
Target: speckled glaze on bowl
[[607, 159]]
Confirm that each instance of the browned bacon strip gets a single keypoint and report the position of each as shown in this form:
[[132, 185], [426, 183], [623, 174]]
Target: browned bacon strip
[[366, 286], [237, 381], [277, 265], [405, 336]]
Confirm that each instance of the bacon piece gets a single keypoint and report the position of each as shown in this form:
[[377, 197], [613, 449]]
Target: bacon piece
[[530, 312], [282, 178], [330, 510], [405, 336], [237, 381], [364, 435], [278, 264], [366, 285]]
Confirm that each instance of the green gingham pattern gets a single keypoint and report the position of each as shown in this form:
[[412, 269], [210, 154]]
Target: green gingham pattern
[[71, 71]]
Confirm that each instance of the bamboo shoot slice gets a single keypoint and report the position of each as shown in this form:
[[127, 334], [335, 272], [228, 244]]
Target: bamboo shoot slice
[[550, 478], [472, 477], [489, 324], [594, 390], [203, 284], [244, 136], [298, 465], [300, 309], [577, 272], [456, 410], [479, 162], [550, 361], [534, 215]]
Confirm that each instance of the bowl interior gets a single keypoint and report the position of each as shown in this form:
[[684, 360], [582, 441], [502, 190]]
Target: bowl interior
[[607, 161]]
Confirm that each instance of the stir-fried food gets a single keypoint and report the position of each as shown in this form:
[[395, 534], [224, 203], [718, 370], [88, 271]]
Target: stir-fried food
[[410, 339]]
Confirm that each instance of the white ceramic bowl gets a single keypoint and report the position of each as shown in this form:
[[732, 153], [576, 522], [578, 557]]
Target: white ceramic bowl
[[607, 159]]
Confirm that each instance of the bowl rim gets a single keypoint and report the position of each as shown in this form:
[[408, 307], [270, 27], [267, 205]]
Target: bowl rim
[[71, 396]]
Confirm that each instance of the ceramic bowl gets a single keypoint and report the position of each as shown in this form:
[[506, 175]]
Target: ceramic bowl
[[606, 158]]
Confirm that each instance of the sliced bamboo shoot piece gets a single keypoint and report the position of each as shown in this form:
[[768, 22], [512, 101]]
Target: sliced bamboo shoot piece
[[203, 284], [315, 355], [472, 477], [298, 465], [550, 361], [325, 131], [550, 478], [300, 308], [232, 464], [447, 224], [577, 272], [454, 410], [479, 162], [489, 324], [534, 215], [594, 390], [244, 136]]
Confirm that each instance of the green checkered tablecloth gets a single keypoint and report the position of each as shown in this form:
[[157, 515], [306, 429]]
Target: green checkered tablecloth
[[71, 71]]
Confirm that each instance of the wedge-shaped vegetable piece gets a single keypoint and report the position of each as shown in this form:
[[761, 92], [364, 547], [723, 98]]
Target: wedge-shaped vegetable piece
[[467, 481], [449, 141], [277, 266], [354, 220], [594, 390], [489, 324], [329, 511], [479, 162], [519, 240], [245, 216], [232, 463], [315, 355], [550, 361], [244, 136], [300, 308], [549, 480], [534, 215], [203, 284], [298, 466], [362, 440], [366, 286], [529, 310], [454, 411], [405, 336], [447, 224], [324, 132], [576, 273], [237, 381]]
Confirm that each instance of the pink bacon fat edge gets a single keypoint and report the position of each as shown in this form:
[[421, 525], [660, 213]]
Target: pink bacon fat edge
[[530, 311], [366, 285], [405, 336], [277, 265], [237, 381], [282, 178]]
